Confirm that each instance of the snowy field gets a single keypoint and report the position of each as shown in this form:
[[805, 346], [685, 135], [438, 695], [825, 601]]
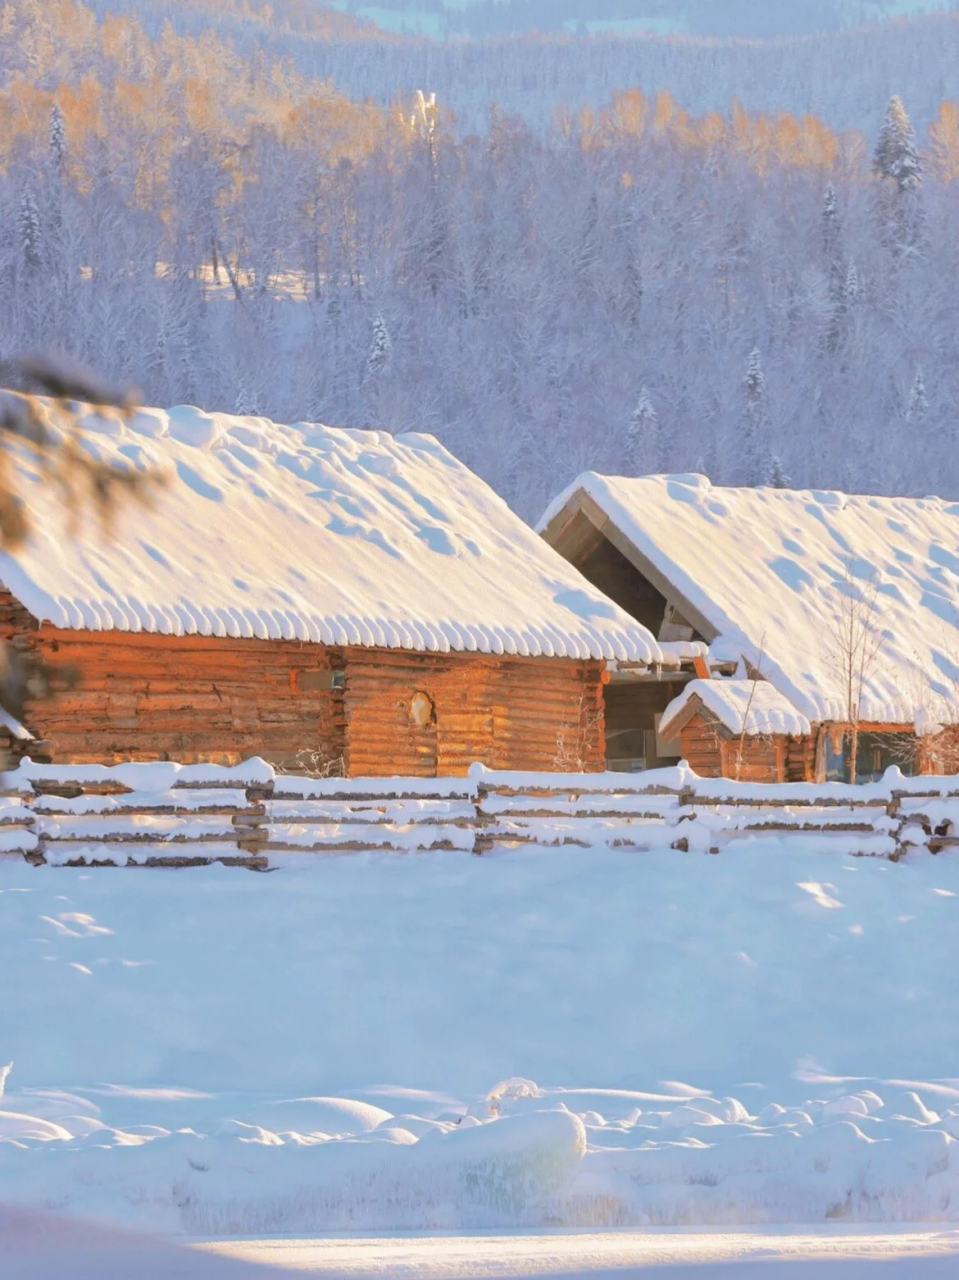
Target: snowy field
[[550, 1253], [751, 1038], [46, 1247]]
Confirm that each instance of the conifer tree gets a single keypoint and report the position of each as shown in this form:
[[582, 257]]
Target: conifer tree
[[632, 292], [835, 265], [381, 350], [246, 400], [587, 251], [830, 219], [28, 225], [918, 403], [642, 438], [776, 477], [57, 136], [756, 423], [853, 287], [896, 156]]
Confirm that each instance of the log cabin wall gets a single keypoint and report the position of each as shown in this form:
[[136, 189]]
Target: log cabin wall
[[506, 712], [701, 745], [142, 696], [762, 759], [713, 753]]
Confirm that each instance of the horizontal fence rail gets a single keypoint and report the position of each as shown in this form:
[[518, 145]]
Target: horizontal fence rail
[[167, 814]]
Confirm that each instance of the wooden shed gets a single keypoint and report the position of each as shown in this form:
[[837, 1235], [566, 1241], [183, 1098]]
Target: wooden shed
[[336, 601], [741, 729], [823, 626]]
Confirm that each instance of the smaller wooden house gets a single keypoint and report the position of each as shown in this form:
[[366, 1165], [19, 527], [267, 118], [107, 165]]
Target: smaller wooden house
[[819, 626], [335, 601], [741, 729]]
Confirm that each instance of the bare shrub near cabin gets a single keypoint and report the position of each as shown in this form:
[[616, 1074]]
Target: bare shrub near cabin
[[755, 674], [575, 737], [855, 642], [313, 764], [934, 748], [49, 432]]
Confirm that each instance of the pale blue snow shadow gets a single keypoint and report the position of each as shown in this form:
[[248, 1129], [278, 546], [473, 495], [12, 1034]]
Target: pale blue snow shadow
[[338, 525], [584, 605], [791, 573], [196, 482], [437, 540]]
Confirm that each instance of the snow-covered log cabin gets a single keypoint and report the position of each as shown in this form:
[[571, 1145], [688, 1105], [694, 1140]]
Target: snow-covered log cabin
[[336, 601], [825, 625]]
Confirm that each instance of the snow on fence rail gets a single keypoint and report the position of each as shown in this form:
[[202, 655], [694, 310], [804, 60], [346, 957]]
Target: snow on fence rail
[[249, 815]]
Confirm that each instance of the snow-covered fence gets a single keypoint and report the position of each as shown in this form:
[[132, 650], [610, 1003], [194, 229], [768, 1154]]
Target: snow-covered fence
[[249, 815], [182, 815]]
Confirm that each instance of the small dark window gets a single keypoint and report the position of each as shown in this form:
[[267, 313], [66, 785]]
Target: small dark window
[[874, 754]]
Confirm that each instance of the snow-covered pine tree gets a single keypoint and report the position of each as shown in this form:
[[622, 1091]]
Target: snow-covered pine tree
[[247, 403], [28, 225], [755, 379], [835, 265], [632, 289], [776, 476], [381, 350], [918, 402], [853, 287], [57, 137], [830, 219], [756, 422], [587, 250], [642, 438], [896, 156]]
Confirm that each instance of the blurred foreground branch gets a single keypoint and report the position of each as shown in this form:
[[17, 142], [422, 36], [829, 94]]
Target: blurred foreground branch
[[44, 399]]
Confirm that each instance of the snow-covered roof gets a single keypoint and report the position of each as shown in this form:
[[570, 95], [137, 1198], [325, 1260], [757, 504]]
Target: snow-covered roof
[[763, 573], [312, 533], [734, 703]]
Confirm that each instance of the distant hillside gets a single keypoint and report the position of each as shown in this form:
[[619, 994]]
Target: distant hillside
[[273, 18], [844, 77], [749, 18]]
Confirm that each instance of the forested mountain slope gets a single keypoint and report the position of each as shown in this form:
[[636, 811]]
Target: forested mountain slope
[[749, 18], [633, 287], [843, 76]]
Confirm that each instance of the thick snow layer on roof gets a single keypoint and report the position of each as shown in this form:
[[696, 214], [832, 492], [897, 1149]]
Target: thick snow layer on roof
[[737, 702], [768, 569], [312, 533]]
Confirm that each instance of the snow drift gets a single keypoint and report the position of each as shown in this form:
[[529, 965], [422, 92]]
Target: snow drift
[[767, 1036]]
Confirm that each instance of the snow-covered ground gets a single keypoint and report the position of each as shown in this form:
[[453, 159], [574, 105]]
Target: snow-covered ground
[[37, 1246], [763, 1036], [831, 1249]]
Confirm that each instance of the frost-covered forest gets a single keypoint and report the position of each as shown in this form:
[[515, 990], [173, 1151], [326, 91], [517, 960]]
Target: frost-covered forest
[[640, 286]]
